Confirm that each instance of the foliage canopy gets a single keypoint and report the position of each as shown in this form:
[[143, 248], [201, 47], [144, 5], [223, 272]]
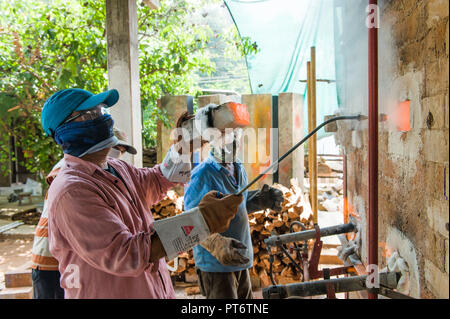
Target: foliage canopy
[[46, 46]]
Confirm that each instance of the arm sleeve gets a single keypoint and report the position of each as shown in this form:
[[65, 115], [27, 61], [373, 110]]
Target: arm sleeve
[[251, 203], [153, 184], [98, 235], [197, 188]]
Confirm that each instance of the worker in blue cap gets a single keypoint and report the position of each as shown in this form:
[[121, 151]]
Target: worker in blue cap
[[101, 229]]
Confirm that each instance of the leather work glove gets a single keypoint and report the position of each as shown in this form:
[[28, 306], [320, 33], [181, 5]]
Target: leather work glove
[[228, 251], [266, 197], [219, 210]]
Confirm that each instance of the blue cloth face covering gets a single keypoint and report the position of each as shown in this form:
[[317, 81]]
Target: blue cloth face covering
[[76, 138]]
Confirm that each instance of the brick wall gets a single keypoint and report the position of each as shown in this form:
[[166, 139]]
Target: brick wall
[[413, 165]]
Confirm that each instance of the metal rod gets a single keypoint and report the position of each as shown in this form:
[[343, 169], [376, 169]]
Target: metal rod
[[10, 226], [393, 294], [331, 155], [373, 144], [358, 117], [320, 80], [314, 288], [309, 234]]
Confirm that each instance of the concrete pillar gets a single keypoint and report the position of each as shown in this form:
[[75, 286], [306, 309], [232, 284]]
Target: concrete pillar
[[173, 106], [123, 71], [290, 132], [204, 100], [256, 150]]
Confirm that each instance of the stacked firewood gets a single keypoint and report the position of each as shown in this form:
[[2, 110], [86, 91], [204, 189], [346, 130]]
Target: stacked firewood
[[183, 265], [29, 216], [171, 205], [265, 223]]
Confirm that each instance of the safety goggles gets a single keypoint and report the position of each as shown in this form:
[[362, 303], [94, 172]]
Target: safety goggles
[[86, 115], [116, 152]]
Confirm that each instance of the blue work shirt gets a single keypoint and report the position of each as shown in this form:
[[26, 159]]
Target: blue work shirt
[[208, 176]]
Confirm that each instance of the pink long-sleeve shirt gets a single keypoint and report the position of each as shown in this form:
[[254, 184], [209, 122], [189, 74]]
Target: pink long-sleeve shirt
[[100, 230]]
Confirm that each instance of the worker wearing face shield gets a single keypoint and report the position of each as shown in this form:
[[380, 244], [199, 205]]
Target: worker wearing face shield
[[224, 259], [101, 230]]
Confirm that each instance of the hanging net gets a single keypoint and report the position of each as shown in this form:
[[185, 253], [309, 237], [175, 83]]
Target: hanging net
[[285, 31]]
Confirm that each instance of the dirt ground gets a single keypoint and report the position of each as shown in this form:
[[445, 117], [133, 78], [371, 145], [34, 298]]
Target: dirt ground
[[15, 251], [14, 254], [181, 294]]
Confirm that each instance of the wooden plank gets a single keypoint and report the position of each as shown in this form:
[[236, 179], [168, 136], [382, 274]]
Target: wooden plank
[[330, 260], [312, 143], [17, 293], [16, 279]]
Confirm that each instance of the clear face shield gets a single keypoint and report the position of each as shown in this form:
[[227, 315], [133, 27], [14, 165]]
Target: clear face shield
[[226, 146]]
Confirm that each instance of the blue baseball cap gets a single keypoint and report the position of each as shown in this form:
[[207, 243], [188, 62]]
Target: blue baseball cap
[[63, 103]]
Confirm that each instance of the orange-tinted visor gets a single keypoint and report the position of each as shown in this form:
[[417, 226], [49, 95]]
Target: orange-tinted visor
[[240, 113]]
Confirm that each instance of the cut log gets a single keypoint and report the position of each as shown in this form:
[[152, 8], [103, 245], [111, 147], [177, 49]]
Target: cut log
[[293, 213], [279, 222], [190, 275], [263, 224], [268, 226], [195, 290], [265, 279]]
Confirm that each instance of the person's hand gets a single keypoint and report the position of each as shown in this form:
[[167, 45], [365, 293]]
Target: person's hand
[[266, 197], [228, 251], [219, 210]]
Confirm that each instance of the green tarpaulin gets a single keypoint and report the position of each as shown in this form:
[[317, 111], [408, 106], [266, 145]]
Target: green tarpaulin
[[285, 31]]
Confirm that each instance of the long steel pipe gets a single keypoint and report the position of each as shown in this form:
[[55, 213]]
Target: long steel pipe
[[309, 234], [373, 143], [358, 117], [319, 287]]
